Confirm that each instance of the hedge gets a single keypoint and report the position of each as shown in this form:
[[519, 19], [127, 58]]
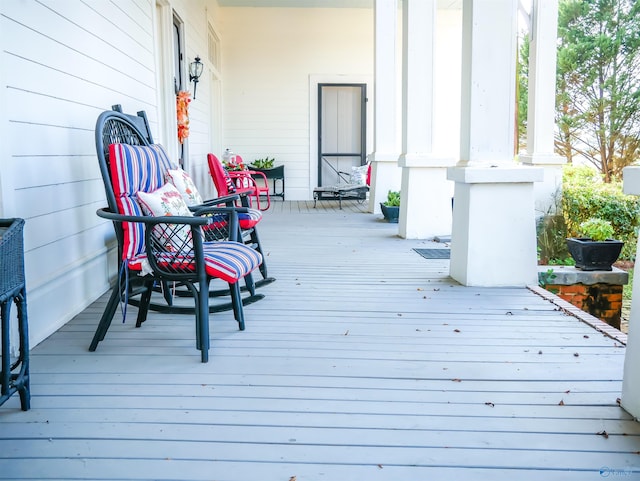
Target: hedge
[[584, 195]]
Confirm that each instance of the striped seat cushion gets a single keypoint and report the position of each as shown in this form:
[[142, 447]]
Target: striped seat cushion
[[246, 220], [229, 261], [135, 168], [250, 219]]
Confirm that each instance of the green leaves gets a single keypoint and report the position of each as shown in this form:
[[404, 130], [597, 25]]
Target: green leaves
[[598, 83], [266, 163], [584, 196], [393, 199]]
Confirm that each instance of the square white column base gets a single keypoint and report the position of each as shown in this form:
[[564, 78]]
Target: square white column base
[[494, 226], [425, 208]]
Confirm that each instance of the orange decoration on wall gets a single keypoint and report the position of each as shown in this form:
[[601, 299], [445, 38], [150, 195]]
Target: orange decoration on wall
[[182, 106]]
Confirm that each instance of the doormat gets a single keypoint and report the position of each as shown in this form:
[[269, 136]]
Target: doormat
[[434, 253]]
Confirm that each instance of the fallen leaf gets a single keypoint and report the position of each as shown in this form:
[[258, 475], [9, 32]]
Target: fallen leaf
[[346, 333], [509, 313], [585, 336], [575, 354], [539, 352], [618, 400], [567, 391], [420, 289], [457, 380], [489, 404], [380, 466], [456, 330], [561, 403], [603, 433], [293, 478]]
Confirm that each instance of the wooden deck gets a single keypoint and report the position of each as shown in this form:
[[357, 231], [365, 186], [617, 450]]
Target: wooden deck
[[364, 362]]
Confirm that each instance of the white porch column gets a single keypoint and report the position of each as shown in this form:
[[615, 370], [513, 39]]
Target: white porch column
[[425, 208], [630, 399], [493, 218], [542, 102], [385, 174]]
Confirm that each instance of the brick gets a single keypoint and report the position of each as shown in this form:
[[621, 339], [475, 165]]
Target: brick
[[575, 288]]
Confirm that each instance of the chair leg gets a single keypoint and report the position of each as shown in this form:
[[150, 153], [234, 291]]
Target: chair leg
[[202, 319], [236, 299], [166, 292], [256, 241], [145, 300], [107, 317], [250, 284]]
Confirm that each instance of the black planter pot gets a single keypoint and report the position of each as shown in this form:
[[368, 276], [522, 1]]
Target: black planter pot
[[594, 255], [276, 172], [390, 213]]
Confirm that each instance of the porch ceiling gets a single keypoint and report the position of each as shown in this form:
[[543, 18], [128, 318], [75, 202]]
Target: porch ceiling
[[443, 4]]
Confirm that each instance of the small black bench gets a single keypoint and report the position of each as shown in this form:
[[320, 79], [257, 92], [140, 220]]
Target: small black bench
[[340, 192]]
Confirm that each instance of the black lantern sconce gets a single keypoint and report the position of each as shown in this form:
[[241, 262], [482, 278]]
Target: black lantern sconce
[[195, 71]]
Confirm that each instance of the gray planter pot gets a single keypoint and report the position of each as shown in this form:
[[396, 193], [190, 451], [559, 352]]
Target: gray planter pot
[[390, 213]]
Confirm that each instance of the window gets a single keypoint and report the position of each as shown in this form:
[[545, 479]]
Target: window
[[178, 77], [214, 49]]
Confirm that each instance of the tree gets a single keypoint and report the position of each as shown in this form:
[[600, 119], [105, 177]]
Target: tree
[[522, 73], [598, 83]]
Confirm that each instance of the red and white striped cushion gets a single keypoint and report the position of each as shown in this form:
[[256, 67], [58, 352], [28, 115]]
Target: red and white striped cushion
[[229, 261], [135, 168]]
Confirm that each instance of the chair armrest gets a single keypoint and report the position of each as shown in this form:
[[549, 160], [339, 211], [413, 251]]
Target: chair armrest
[[247, 183], [253, 173], [105, 213], [227, 199]]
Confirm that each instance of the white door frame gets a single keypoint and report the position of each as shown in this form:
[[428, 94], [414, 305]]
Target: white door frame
[[314, 81]]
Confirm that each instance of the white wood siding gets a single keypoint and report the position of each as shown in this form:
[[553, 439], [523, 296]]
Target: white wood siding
[[272, 61], [62, 63], [269, 55]]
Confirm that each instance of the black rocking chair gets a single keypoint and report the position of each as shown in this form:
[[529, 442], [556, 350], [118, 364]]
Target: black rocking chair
[[190, 250]]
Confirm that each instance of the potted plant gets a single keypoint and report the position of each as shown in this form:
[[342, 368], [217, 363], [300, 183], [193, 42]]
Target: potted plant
[[391, 207], [595, 249], [263, 164]]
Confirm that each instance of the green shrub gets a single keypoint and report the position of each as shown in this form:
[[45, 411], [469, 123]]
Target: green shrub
[[585, 196], [552, 243]]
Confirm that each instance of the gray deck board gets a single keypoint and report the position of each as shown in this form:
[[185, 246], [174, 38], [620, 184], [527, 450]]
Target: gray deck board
[[364, 361]]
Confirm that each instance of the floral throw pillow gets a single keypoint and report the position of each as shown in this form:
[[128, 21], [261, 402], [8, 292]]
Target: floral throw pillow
[[358, 175], [167, 201], [181, 181]]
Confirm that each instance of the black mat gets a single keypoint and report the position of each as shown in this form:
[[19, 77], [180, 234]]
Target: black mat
[[434, 253]]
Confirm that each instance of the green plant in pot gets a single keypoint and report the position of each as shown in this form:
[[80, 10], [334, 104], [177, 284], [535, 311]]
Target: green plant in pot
[[595, 249], [391, 207], [263, 164]]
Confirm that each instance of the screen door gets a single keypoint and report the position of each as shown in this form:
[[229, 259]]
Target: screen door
[[341, 131]]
